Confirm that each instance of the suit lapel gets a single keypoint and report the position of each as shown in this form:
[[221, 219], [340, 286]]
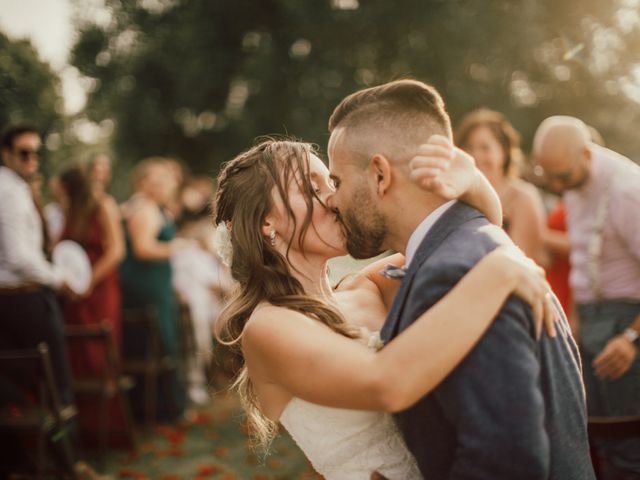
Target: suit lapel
[[458, 214]]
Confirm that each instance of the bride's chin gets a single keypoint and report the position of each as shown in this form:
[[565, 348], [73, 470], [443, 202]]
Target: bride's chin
[[334, 251], [338, 252]]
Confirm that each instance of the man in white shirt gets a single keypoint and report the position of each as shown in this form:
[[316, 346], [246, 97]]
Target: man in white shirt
[[601, 193], [29, 309]]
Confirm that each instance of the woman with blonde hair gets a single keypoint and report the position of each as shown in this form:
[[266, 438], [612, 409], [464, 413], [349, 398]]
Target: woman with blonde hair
[[146, 273]]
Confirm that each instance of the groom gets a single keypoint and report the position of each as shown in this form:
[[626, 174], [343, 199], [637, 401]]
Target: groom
[[515, 407]]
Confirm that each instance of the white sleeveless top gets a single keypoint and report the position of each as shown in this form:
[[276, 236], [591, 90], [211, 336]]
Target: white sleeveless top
[[349, 444]]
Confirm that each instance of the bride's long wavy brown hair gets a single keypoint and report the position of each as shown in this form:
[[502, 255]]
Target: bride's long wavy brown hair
[[243, 200]]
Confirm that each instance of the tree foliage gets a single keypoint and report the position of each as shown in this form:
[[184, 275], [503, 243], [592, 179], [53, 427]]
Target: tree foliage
[[28, 87], [200, 80]]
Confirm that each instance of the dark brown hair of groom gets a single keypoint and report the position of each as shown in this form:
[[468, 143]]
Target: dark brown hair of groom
[[398, 98]]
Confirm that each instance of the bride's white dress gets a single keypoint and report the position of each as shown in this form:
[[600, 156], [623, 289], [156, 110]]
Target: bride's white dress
[[349, 444]]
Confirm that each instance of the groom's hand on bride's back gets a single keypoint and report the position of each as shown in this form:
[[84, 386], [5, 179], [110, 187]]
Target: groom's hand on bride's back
[[443, 169]]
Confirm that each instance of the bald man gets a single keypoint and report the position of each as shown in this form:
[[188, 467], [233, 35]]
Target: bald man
[[515, 407], [601, 190]]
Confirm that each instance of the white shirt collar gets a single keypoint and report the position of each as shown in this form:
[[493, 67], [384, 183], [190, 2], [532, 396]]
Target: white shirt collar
[[423, 229]]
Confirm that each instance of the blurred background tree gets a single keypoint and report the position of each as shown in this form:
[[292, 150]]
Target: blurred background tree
[[28, 88], [200, 80]]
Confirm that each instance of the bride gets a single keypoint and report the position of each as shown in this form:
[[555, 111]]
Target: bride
[[310, 362]]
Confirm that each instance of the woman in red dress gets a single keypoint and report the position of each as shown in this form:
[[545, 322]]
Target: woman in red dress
[[556, 243], [91, 223]]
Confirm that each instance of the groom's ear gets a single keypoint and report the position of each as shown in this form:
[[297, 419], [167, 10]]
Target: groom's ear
[[380, 172]]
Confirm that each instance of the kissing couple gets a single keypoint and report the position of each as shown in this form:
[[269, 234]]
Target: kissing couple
[[430, 363]]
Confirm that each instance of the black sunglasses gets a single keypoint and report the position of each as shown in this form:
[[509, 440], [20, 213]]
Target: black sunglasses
[[25, 154]]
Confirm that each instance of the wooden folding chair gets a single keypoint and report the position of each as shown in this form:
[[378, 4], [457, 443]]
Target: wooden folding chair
[[614, 427], [30, 372], [110, 385], [155, 362], [186, 333], [607, 428]]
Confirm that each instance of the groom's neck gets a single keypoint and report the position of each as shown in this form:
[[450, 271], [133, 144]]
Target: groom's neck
[[409, 215]]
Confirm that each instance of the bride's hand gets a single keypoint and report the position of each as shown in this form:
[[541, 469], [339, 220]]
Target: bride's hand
[[530, 284], [442, 168]]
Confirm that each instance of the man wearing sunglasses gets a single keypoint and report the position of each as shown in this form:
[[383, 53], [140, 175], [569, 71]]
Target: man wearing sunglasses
[[601, 191], [29, 310]]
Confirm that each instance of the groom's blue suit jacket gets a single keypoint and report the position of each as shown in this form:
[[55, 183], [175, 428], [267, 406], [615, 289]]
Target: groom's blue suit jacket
[[515, 407]]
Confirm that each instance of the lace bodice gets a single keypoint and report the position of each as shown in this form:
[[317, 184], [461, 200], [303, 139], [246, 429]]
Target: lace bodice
[[349, 444]]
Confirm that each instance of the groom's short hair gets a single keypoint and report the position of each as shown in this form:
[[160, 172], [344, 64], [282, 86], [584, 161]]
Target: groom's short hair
[[403, 104]]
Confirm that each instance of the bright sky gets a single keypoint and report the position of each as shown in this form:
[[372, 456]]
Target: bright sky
[[47, 23]]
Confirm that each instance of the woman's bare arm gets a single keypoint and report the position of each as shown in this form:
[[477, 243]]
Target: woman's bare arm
[[527, 223], [113, 240], [369, 278], [144, 225], [556, 242], [482, 196], [311, 362], [450, 172]]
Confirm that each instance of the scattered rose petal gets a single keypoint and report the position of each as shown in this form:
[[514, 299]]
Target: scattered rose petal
[[209, 469], [221, 452]]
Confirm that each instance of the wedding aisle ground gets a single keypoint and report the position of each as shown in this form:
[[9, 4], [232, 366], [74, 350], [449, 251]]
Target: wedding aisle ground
[[209, 444]]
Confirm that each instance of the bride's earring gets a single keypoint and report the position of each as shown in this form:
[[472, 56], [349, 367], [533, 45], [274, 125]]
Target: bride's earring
[[272, 238]]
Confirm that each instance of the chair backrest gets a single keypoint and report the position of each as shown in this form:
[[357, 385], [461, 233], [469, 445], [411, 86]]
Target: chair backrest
[[186, 332], [614, 427], [30, 371], [100, 333], [143, 323]]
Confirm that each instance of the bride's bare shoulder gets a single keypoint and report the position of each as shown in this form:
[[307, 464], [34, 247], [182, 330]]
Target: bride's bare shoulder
[[267, 320], [266, 310]]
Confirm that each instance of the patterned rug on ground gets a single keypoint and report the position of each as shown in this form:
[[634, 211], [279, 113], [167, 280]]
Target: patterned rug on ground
[[210, 443]]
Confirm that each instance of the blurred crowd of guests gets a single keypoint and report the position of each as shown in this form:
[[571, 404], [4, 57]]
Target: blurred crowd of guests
[[573, 207], [153, 253]]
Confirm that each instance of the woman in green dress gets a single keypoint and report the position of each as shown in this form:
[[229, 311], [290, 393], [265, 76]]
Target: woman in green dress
[[146, 278]]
